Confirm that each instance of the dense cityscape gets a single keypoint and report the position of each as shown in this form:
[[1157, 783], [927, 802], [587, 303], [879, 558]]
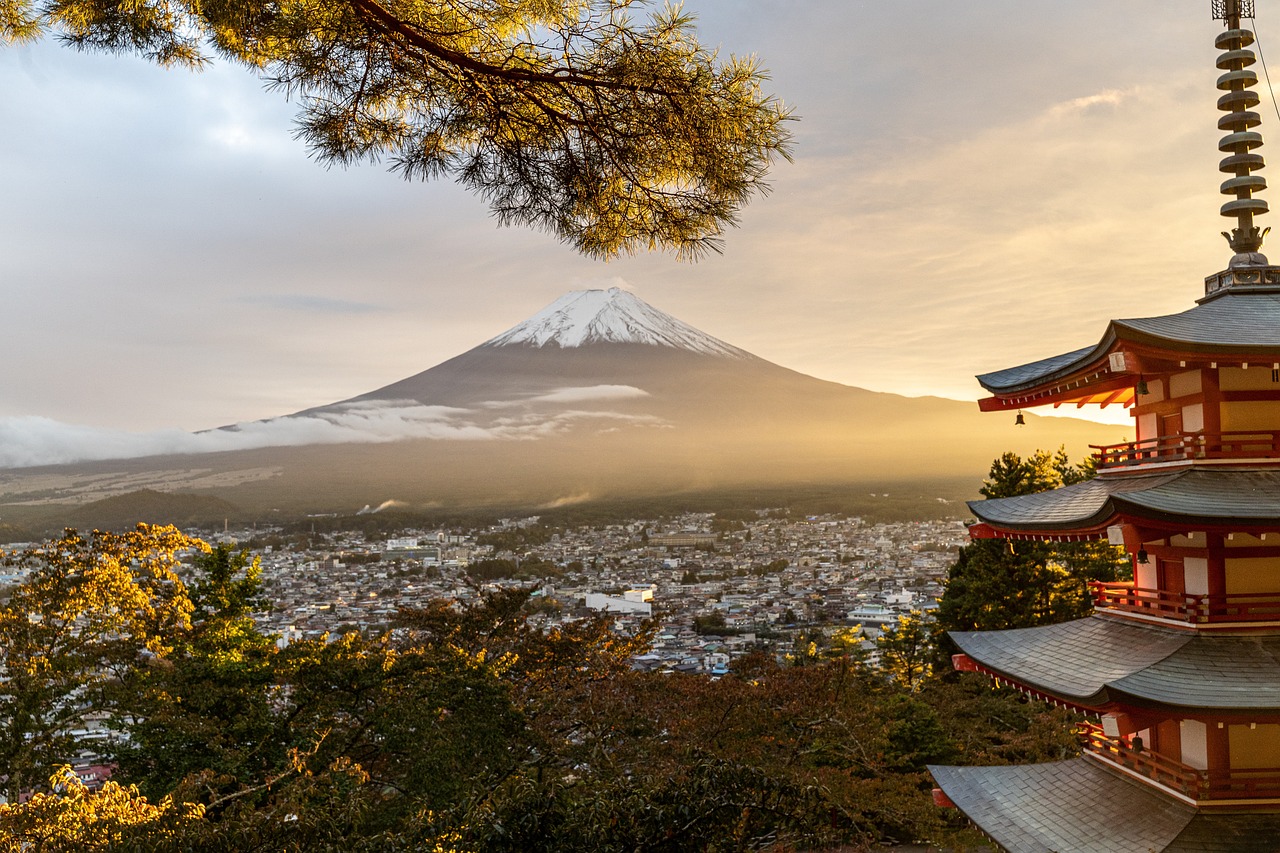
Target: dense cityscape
[[716, 589]]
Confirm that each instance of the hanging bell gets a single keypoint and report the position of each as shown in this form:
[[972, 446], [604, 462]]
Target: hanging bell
[[1141, 388], [1142, 556], [1019, 420]]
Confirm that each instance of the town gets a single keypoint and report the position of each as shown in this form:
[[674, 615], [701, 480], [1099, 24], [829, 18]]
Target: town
[[715, 587]]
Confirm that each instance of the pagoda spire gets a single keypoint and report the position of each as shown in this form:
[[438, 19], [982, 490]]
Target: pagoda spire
[[1240, 160]]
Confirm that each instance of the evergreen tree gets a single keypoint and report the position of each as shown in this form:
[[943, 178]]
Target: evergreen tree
[[997, 584]]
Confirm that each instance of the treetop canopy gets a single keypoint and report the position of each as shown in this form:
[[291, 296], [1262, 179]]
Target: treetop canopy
[[569, 115]]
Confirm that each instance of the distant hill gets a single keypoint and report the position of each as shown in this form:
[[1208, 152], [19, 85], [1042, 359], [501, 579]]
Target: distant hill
[[597, 397], [122, 512]]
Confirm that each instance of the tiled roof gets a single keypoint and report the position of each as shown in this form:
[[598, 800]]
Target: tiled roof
[[1013, 378], [1212, 672], [1232, 322], [1253, 495], [1076, 506], [1075, 806], [1101, 659], [1081, 807], [1247, 321], [1190, 493], [1074, 660]]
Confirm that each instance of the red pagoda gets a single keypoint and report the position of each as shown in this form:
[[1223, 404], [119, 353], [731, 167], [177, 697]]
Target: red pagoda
[[1179, 669]]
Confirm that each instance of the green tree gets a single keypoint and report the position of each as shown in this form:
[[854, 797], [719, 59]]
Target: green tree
[[87, 612], [204, 709], [711, 623], [997, 584], [567, 115], [914, 734]]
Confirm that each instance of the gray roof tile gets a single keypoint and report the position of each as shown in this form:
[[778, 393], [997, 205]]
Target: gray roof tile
[[1253, 495], [1074, 660], [1235, 322], [1013, 378], [1077, 806], [1190, 494], [1212, 672], [1236, 833], [1247, 321], [1101, 659]]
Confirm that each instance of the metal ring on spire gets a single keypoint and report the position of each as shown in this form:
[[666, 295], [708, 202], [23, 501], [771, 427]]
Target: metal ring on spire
[[1240, 141]]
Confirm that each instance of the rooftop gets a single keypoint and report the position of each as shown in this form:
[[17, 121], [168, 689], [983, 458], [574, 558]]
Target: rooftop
[[1081, 806], [1233, 321], [1099, 660], [1189, 495]]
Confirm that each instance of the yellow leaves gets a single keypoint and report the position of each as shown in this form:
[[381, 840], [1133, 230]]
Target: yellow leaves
[[482, 660], [351, 769], [122, 579], [88, 606], [77, 819]]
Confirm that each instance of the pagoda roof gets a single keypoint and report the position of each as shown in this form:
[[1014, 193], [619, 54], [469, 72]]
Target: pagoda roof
[[1098, 660], [1081, 806], [1187, 495], [1230, 323]]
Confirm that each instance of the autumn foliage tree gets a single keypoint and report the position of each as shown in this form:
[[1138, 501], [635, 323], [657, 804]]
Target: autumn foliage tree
[[463, 727], [89, 610], [69, 818], [574, 116]]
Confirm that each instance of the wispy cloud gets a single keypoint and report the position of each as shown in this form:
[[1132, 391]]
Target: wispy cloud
[[31, 441], [576, 394], [567, 500], [589, 393], [371, 510]]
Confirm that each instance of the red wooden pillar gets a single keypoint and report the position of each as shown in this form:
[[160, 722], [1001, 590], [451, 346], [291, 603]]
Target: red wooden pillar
[[1217, 561]]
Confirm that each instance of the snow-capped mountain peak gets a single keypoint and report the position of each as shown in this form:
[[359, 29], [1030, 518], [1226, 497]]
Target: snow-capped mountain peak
[[583, 317]]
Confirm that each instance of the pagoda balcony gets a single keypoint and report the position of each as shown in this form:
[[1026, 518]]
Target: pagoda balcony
[[1189, 447], [1187, 607], [1201, 785]]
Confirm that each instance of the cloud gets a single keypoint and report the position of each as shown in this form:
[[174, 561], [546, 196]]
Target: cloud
[[567, 500], [573, 394], [591, 392], [600, 283], [368, 510], [1097, 103], [31, 441]]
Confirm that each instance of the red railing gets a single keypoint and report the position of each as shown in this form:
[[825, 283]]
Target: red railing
[[1239, 784], [1187, 607], [1144, 762], [1182, 446]]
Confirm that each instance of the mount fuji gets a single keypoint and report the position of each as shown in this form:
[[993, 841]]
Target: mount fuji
[[598, 395]]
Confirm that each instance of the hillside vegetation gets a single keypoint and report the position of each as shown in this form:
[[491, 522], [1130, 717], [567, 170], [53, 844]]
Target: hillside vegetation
[[462, 729]]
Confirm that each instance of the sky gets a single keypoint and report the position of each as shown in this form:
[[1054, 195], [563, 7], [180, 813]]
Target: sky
[[974, 186]]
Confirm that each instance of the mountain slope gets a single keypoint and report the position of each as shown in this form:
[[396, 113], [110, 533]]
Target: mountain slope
[[598, 395]]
